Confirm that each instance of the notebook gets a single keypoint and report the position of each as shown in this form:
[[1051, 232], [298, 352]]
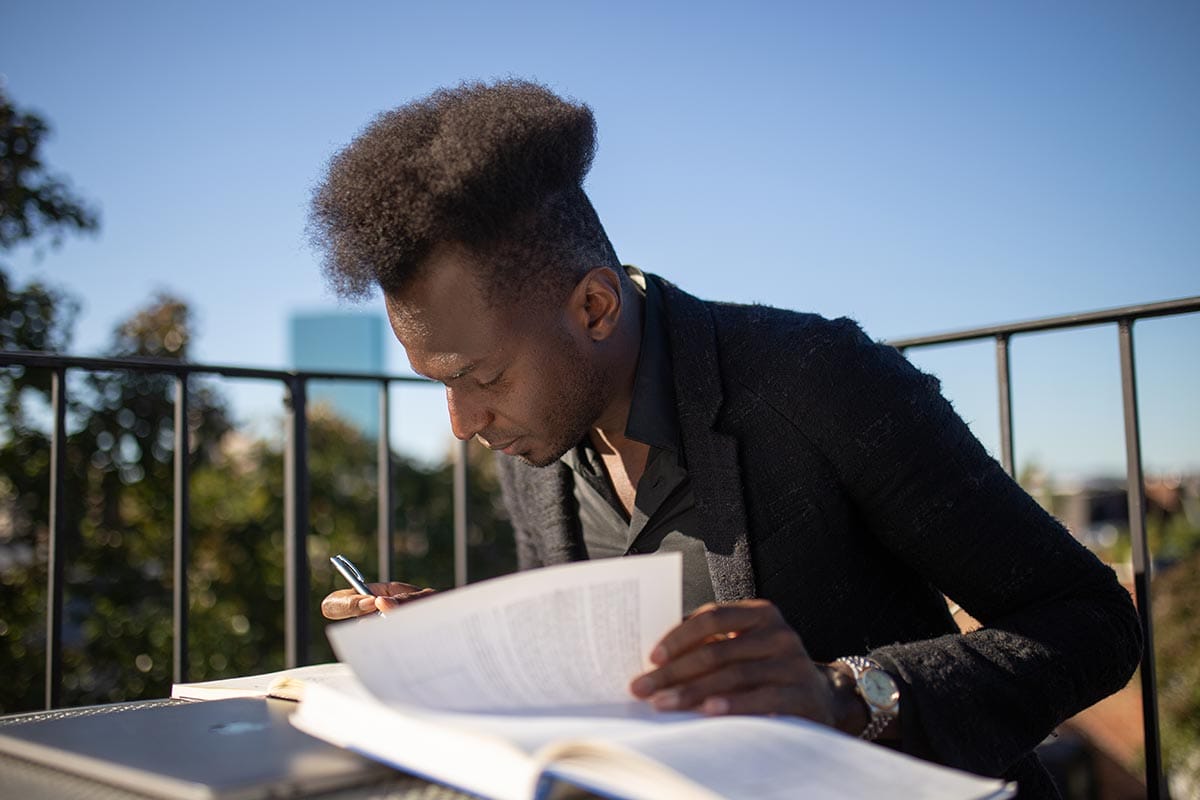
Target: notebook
[[236, 749]]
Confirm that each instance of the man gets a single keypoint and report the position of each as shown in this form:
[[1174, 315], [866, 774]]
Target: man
[[823, 494]]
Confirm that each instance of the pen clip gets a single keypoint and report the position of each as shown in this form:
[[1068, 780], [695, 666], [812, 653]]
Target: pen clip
[[348, 564]]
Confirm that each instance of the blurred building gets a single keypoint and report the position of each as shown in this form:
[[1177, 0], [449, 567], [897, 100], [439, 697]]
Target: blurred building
[[336, 341]]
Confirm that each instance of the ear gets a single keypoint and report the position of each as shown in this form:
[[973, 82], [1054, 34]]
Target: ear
[[595, 303]]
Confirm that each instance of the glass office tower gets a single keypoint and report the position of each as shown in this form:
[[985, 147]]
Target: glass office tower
[[341, 341]]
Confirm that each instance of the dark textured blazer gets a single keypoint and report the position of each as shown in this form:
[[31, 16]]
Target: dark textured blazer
[[833, 479]]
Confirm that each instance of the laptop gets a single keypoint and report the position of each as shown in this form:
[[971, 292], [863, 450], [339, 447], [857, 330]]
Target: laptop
[[235, 749]]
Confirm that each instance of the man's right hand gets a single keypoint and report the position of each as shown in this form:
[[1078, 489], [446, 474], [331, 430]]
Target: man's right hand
[[346, 603]]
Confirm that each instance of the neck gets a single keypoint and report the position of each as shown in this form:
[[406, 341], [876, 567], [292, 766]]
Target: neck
[[608, 432]]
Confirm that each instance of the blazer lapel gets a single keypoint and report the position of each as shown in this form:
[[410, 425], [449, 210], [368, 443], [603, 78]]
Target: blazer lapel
[[562, 537], [541, 499], [711, 456]]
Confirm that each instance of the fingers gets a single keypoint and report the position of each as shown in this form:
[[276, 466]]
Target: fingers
[[753, 687], [347, 603], [715, 670], [739, 658], [343, 604], [711, 622], [760, 656], [384, 604], [392, 588]]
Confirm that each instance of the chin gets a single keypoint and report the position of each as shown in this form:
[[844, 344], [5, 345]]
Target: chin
[[541, 459], [534, 460]]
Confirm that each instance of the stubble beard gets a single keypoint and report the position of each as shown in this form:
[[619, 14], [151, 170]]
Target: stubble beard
[[582, 395]]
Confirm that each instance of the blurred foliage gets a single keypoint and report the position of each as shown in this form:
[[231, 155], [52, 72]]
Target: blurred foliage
[[34, 203], [1176, 607]]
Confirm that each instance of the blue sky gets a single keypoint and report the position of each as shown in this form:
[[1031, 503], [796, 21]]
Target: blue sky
[[919, 166]]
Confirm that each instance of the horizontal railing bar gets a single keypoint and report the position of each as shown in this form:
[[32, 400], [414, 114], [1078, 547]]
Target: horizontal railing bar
[[1183, 305], [29, 358]]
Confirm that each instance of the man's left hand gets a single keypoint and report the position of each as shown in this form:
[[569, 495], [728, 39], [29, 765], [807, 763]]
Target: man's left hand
[[739, 658]]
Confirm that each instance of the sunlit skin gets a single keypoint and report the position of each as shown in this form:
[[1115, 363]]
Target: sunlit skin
[[532, 382]]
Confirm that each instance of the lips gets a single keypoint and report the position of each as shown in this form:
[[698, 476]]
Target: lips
[[503, 446]]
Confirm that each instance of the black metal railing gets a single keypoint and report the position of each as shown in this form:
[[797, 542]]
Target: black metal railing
[[296, 567], [1123, 318], [296, 482]]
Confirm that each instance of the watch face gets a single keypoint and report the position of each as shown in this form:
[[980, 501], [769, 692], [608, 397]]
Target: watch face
[[879, 688]]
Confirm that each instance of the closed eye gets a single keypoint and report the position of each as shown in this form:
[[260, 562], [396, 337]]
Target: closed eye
[[493, 382]]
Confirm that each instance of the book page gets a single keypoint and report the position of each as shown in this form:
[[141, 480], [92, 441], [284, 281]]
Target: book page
[[292, 683], [534, 729], [567, 635], [262, 685], [489, 754], [629, 751], [757, 758], [410, 740]]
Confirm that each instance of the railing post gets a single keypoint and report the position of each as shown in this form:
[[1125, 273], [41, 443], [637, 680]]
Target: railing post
[[1142, 565], [295, 579], [460, 514], [181, 523], [384, 468], [1004, 387], [58, 538]]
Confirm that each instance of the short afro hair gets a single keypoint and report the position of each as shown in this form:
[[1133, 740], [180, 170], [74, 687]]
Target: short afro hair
[[496, 167]]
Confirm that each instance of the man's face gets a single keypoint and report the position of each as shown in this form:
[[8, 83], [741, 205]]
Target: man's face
[[522, 379]]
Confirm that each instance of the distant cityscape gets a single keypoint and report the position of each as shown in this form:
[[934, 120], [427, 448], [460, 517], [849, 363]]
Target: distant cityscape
[[1096, 510]]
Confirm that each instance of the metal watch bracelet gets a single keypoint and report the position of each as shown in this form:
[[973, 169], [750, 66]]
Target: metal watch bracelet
[[879, 692]]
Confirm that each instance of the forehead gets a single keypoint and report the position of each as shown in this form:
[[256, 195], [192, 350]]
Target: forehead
[[447, 322]]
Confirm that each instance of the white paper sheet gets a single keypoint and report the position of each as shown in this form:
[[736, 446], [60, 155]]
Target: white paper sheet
[[568, 635]]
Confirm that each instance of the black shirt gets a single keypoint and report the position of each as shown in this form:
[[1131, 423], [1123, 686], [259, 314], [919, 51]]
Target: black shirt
[[664, 516]]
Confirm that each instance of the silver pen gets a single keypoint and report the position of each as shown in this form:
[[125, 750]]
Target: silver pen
[[352, 576]]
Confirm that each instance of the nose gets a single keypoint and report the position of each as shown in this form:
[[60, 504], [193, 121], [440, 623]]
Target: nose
[[467, 417]]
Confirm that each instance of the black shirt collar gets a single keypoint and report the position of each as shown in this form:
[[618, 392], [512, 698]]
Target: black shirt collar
[[653, 418]]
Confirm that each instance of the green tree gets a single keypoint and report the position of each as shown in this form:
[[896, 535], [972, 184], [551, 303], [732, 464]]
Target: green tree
[[35, 205], [118, 510], [121, 474], [34, 202]]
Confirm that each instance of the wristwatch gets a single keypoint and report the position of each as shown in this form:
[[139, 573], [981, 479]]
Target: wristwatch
[[877, 689]]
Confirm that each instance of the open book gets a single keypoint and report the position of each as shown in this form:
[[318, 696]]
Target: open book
[[286, 684], [516, 688]]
